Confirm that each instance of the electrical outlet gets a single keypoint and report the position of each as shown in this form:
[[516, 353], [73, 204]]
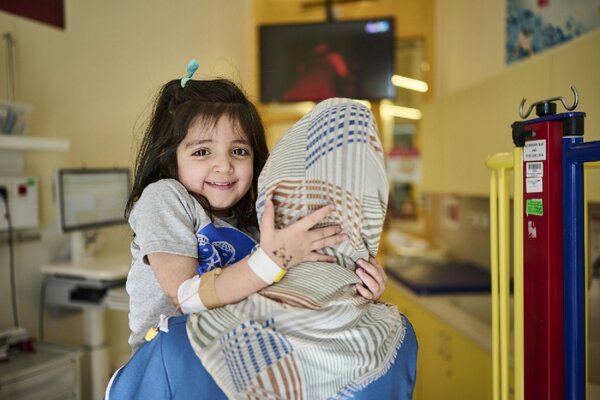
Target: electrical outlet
[[479, 220], [23, 202]]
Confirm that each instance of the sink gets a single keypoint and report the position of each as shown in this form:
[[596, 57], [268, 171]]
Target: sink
[[479, 307], [441, 277], [476, 305]]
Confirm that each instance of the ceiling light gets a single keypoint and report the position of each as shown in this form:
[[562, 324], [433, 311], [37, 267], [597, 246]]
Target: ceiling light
[[409, 83], [401, 112]]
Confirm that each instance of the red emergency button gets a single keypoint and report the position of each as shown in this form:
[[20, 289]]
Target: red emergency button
[[22, 190]]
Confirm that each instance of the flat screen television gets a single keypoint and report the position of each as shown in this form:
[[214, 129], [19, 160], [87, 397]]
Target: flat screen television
[[315, 61]]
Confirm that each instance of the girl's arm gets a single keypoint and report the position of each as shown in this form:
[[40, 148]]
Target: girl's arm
[[235, 283], [287, 247], [238, 281]]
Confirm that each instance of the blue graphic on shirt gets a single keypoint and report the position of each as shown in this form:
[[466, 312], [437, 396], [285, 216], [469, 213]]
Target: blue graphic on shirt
[[221, 246]]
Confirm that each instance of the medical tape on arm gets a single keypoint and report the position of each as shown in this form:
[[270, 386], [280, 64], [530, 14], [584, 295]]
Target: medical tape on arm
[[207, 291], [198, 294], [188, 296]]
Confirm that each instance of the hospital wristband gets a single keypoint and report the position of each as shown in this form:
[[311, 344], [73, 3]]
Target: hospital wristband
[[263, 266]]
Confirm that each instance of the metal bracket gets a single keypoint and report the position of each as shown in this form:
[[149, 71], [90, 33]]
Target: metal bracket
[[559, 98]]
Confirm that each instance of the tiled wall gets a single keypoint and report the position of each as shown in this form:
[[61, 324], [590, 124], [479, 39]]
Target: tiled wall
[[462, 224]]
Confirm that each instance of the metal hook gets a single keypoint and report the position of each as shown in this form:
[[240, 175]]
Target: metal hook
[[559, 98], [10, 65]]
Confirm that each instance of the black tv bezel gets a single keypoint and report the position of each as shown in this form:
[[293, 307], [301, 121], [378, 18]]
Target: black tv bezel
[[261, 74]]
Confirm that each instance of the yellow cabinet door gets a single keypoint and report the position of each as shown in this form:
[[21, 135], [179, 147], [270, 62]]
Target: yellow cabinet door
[[471, 369], [449, 365]]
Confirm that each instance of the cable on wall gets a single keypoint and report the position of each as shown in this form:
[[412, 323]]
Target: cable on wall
[[11, 252], [42, 308]]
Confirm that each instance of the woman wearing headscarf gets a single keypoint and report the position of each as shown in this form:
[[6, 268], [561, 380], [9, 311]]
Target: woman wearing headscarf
[[311, 335]]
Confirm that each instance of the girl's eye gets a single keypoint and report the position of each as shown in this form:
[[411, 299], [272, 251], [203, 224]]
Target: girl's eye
[[201, 152], [240, 152]]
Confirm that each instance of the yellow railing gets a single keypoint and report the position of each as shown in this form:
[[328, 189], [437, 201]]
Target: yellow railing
[[500, 164]]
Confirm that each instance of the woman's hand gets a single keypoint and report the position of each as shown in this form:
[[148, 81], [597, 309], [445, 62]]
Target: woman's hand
[[373, 279], [298, 242]]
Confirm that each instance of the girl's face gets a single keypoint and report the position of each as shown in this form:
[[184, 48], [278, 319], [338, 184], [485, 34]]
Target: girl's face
[[216, 163]]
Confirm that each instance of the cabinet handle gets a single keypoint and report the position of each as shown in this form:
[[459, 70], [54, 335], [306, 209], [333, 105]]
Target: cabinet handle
[[445, 345], [444, 348], [448, 347], [441, 347]]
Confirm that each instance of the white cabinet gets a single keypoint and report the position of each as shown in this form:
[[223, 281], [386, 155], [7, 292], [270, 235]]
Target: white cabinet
[[50, 373]]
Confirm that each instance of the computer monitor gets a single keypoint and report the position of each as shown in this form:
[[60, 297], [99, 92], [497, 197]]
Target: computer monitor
[[88, 199]]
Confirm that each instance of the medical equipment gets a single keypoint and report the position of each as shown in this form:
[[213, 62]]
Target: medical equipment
[[549, 255], [88, 199], [22, 198]]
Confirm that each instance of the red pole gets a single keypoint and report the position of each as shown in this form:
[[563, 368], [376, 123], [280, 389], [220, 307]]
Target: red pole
[[543, 259]]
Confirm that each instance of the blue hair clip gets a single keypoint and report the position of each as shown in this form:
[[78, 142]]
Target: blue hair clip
[[191, 68]]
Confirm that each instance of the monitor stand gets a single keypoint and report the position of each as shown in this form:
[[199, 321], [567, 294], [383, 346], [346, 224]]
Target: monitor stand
[[83, 245]]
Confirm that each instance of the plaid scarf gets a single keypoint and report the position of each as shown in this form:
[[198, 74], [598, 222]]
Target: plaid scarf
[[311, 336]]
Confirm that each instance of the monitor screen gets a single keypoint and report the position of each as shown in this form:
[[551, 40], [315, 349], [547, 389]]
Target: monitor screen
[[91, 198], [312, 62]]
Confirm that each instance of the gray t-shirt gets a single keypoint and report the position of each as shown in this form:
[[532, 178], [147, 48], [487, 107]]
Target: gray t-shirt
[[165, 219]]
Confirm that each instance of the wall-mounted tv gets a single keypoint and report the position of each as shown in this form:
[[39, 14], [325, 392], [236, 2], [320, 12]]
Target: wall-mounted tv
[[315, 61]]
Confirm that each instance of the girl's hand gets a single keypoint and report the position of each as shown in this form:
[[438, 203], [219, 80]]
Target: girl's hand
[[373, 279], [298, 242]]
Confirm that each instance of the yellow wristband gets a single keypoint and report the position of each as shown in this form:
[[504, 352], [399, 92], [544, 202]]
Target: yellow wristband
[[263, 266], [280, 275]]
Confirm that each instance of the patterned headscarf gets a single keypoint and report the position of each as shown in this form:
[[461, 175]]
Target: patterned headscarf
[[311, 335]]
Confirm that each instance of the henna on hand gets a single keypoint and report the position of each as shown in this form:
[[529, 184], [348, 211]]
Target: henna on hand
[[285, 259]]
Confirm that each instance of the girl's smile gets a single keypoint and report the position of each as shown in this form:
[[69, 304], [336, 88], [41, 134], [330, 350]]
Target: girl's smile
[[221, 185]]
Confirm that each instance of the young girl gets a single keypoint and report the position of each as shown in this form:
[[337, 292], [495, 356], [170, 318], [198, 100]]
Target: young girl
[[195, 183]]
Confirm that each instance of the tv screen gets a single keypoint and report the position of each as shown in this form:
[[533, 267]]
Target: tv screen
[[312, 62]]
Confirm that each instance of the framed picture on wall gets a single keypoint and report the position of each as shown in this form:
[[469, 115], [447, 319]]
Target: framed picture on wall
[[533, 26], [50, 12]]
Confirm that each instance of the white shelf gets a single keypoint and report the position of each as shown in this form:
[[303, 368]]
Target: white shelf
[[32, 143]]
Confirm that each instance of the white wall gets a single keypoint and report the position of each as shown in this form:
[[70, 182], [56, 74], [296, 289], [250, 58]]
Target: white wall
[[470, 41], [93, 83]]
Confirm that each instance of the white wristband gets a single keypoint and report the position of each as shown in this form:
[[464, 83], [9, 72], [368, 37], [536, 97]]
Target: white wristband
[[263, 266], [188, 297]]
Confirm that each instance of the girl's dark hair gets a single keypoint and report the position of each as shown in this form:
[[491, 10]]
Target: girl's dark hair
[[176, 108]]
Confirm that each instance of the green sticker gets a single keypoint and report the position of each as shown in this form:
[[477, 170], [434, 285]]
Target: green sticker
[[534, 207], [30, 182]]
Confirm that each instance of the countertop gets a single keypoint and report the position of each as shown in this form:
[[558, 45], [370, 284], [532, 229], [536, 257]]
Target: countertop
[[469, 314]]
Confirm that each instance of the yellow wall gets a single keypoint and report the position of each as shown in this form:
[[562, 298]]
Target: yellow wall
[[93, 84], [469, 37], [461, 129]]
